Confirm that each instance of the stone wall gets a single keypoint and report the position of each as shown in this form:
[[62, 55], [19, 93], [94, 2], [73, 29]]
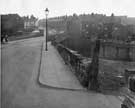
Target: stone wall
[[79, 65]]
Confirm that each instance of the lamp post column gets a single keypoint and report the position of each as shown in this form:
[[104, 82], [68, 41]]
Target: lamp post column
[[46, 12], [46, 34]]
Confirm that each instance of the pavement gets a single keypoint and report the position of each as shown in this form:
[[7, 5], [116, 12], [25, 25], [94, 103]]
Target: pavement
[[20, 71], [55, 73]]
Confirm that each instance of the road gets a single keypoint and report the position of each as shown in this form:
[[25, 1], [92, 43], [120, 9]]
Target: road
[[20, 87]]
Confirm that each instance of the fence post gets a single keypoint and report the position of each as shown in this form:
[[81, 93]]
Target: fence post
[[128, 54]]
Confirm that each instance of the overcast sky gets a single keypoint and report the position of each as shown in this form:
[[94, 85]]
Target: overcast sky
[[63, 7]]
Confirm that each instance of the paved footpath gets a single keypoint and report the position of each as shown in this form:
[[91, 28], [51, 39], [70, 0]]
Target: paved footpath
[[54, 72]]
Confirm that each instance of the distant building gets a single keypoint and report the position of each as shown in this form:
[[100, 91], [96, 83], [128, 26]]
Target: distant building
[[57, 24], [127, 20], [30, 22], [74, 26]]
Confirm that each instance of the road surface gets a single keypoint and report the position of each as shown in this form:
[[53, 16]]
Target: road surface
[[21, 89]]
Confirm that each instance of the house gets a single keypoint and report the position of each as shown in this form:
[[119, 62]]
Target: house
[[30, 22]]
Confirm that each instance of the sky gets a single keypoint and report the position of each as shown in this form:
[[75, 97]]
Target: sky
[[67, 7]]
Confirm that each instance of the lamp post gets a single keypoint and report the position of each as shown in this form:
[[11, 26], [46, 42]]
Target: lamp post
[[46, 12]]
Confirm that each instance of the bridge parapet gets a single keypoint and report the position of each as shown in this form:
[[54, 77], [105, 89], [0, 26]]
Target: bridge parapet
[[76, 61], [79, 66]]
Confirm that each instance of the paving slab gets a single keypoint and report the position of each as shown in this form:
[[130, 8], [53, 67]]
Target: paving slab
[[54, 72]]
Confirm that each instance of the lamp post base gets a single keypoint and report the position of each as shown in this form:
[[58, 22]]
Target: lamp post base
[[46, 48]]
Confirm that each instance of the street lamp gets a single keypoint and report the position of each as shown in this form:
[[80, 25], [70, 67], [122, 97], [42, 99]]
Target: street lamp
[[46, 12]]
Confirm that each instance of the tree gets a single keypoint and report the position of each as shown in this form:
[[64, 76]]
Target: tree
[[33, 18], [93, 68], [92, 14], [112, 15], [11, 23]]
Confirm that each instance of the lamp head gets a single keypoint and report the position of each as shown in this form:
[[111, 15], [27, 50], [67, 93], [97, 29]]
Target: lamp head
[[46, 11]]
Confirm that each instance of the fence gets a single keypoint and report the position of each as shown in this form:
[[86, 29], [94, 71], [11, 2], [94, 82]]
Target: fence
[[117, 51]]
